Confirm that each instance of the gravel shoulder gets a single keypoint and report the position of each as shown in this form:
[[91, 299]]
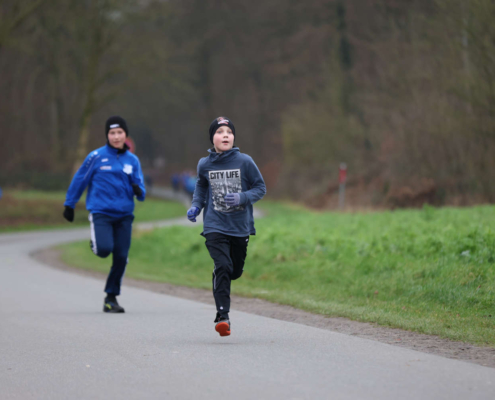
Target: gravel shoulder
[[484, 356]]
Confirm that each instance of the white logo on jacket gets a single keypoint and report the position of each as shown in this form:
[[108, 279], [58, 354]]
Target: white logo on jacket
[[104, 160], [128, 169]]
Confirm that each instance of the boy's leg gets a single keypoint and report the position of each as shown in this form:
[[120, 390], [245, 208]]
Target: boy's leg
[[101, 234], [238, 252], [122, 230], [218, 246]]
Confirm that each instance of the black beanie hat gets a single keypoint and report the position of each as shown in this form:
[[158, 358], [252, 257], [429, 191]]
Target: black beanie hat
[[116, 122], [218, 122]]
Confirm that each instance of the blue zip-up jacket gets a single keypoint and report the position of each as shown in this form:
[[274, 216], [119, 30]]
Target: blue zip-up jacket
[[108, 173], [222, 173]]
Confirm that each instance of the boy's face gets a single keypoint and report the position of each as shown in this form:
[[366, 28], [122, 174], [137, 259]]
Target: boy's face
[[223, 139], [116, 137]]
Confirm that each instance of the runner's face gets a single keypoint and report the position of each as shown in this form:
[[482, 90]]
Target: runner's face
[[223, 139], [116, 138]]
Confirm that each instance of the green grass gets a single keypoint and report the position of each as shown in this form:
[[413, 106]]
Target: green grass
[[429, 270], [31, 210]]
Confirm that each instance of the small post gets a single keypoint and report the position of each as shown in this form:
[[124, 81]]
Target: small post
[[342, 180]]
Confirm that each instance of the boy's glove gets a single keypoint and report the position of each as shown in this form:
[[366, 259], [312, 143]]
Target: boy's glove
[[192, 213], [69, 213], [137, 190], [232, 199]]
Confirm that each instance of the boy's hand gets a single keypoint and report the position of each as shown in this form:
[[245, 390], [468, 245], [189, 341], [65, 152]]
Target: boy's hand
[[232, 199], [137, 190], [69, 213], [192, 213]]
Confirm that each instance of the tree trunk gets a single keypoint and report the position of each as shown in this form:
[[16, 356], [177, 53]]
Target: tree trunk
[[89, 108], [55, 126], [82, 142], [96, 52]]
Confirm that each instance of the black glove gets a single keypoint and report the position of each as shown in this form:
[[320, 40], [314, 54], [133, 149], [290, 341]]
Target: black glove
[[69, 213], [137, 190]]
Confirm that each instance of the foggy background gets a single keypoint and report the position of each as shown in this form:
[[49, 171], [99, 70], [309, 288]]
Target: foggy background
[[401, 91]]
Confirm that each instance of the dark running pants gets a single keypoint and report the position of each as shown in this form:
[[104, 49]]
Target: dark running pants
[[112, 235], [228, 254]]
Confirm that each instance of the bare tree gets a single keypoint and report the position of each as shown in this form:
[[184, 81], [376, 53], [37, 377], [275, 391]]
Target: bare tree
[[20, 13], [103, 35]]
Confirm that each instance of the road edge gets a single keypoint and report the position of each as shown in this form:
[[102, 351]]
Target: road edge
[[484, 356]]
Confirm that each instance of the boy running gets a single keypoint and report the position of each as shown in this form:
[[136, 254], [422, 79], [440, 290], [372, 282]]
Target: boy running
[[228, 185], [113, 176]]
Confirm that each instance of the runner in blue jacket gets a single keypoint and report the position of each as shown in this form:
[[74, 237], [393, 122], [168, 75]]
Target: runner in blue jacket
[[113, 176]]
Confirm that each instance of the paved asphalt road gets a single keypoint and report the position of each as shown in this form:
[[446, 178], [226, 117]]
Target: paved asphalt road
[[56, 343]]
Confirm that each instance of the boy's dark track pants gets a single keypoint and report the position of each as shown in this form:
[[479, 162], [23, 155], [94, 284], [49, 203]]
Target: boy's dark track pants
[[112, 235], [228, 254]]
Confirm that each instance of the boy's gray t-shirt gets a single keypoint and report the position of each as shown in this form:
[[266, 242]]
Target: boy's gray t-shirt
[[222, 173]]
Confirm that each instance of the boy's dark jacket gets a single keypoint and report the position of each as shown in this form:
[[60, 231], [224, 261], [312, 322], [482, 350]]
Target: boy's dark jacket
[[222, 173]]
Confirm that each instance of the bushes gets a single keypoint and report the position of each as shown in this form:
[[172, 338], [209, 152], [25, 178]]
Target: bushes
[[35, 180]]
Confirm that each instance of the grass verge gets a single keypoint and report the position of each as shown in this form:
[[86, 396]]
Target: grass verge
[[33, 209], [430, 271]]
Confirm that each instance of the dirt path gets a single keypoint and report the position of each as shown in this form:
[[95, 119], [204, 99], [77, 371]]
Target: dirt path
[[424, 343]]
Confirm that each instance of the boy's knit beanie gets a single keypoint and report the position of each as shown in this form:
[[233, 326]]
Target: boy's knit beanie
[[217, 122], [116, 122]]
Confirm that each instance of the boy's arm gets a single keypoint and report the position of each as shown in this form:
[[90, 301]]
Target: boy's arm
[[81, 180], [137, 179], [201, 189], [257, 189]]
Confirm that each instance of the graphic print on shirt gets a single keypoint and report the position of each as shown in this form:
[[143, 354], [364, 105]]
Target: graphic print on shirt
[[221, 183]]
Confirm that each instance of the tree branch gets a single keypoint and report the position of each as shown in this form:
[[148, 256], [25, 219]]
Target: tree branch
[[18, 20]]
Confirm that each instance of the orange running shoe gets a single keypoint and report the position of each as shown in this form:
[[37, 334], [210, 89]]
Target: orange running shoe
[[223, 327]]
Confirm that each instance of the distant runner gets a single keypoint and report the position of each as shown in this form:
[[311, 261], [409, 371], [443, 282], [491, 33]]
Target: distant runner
[[113, 176]]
